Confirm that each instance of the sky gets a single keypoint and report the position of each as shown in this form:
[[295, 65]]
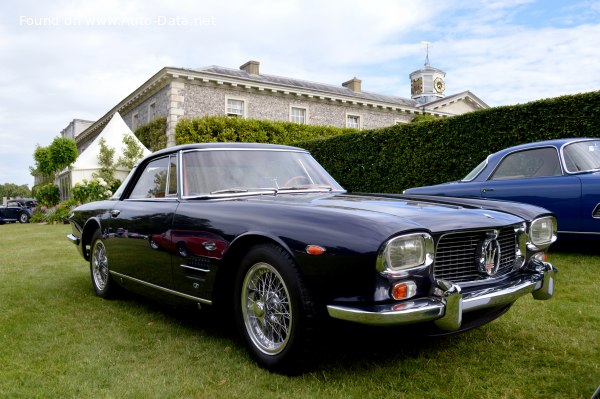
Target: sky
[[64, 60]]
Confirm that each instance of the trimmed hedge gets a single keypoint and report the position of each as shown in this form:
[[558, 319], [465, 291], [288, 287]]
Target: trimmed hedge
[[402, 156], [227, 129]]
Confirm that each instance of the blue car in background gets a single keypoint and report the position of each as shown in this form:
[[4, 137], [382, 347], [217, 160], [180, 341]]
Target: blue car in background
[[560, 175]]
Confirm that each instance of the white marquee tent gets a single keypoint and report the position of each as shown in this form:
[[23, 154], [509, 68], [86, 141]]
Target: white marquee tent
[[87, 163]]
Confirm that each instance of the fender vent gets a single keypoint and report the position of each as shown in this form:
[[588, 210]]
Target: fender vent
[[596, 213]]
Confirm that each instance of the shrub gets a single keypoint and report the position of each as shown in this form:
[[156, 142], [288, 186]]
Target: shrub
[[94, 190], [226, 129], [153, 134], [48, 195]]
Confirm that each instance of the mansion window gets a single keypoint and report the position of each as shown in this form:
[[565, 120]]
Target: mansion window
[[235, 108], [135, 121], [152, 111], [298, 115], [353, 121]]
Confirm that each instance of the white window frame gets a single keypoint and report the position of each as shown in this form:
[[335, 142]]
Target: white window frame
[[244, 107], [305, 109], [351, 115], [151, 111]]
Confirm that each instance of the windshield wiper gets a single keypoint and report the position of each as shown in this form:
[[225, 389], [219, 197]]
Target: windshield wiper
[[312, 187], [230, 191]]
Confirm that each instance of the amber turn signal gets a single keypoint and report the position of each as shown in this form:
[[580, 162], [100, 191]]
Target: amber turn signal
[[314, 250], [404, 290]]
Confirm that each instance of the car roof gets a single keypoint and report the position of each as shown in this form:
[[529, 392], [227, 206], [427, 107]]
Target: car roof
[[558, 143], [227, 146]]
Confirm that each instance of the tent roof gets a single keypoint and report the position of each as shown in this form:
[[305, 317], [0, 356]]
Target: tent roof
[[113, 134]]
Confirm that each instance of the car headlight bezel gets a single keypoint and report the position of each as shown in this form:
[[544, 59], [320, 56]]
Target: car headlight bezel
[[542, 232], [405, 254]]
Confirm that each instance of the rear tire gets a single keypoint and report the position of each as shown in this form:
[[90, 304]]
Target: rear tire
[[274, 311], [103, 283]]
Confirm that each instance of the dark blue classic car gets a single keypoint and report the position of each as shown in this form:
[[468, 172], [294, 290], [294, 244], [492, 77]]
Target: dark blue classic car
[[560, 175], [264, 233], [17, 210]]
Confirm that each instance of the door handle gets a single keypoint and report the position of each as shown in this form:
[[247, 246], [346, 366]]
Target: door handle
[[115, 212]]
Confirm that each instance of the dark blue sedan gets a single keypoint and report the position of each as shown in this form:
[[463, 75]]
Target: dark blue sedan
[[560, 175]]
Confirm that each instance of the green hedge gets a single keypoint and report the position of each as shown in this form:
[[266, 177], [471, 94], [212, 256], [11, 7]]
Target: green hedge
[[402, 156], [226, 129]]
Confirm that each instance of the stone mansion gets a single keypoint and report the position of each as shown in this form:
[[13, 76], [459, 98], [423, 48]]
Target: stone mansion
[[178, 93]]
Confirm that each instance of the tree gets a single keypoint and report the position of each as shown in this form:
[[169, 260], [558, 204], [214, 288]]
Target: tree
[[11, 190], [106, 157], [43, 163], [63, 152], [131, 154]]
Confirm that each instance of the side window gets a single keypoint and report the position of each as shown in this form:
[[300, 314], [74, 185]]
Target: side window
[[539, 162], [158, 180]]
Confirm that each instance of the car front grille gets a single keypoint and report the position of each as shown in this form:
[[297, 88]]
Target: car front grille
[[456, 255]]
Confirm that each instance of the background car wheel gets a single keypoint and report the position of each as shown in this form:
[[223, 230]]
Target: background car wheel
[[274, 311], [24, 217], [103, 283]]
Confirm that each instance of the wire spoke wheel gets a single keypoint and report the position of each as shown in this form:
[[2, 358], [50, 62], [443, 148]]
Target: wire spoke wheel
[[100, 266], [266, 308]]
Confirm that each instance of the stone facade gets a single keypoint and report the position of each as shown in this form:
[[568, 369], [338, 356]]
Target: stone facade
[[177, 93]]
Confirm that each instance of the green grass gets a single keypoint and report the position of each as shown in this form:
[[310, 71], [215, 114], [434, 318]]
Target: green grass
[[59, 340]]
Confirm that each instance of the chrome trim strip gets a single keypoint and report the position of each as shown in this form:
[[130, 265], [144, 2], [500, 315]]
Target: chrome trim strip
[[195, 268], [158, 287]]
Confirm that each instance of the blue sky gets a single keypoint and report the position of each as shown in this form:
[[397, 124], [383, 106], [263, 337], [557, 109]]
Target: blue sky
[[62, 60]]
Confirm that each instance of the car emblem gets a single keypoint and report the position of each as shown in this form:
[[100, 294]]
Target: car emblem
[[488, 260]]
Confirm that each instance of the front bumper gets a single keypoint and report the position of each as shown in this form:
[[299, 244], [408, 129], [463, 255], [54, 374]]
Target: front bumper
[[447, 306]]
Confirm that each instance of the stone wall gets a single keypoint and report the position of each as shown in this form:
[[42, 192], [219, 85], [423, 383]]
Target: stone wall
[[194, 99]]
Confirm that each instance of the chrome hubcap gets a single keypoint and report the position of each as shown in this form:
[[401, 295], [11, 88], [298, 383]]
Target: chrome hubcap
[[266, 308]]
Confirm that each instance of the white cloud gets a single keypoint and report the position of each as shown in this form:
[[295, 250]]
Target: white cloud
[[63, 60]]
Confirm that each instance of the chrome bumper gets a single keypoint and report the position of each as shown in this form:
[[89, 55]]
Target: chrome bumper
[[74, 239], [446, 308]]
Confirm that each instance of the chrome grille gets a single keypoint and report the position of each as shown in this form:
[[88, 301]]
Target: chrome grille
[[456, 254]]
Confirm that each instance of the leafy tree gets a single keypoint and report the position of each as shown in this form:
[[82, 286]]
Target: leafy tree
[[63, 152], [11, 190], [106, 160], [131, 154]]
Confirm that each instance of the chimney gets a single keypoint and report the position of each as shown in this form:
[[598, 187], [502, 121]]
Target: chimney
[[251, 67], [353, 84]]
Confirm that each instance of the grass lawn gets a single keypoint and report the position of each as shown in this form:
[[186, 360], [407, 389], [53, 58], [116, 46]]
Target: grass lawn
[[57, 339]]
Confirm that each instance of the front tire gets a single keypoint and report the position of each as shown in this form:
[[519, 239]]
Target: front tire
[[274, 310], [103, 283]]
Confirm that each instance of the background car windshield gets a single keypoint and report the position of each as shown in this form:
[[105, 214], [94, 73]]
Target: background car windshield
[[206, 172], [473, 174], [582, 156]]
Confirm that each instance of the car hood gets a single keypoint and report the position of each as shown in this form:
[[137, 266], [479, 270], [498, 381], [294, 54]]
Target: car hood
[[403, 212]]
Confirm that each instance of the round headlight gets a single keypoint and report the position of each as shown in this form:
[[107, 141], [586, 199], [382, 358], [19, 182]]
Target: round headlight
[[543, 231], [403, 253]]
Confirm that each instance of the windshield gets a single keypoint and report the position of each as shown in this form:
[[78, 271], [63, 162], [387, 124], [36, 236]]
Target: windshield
[[234, 172], [582, 156], [473, 174]]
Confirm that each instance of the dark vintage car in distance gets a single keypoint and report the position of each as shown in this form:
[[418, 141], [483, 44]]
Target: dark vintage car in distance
[[264, 233], [561, 175], [17, 210]]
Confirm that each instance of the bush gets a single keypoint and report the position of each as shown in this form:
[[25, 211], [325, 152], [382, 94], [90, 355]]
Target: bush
[[153, 134], [48, 195], [94, 190], [226, 129]]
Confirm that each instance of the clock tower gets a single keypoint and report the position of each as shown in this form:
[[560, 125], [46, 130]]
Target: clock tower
[[427, 84]]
